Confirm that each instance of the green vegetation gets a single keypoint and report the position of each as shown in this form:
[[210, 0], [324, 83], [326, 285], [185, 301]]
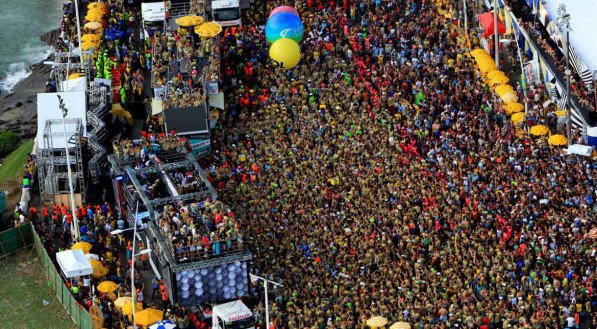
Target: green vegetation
[[22, 296], [14, 162], [9, 141]]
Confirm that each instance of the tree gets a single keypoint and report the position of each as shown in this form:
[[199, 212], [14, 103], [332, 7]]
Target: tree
[[9, 141]]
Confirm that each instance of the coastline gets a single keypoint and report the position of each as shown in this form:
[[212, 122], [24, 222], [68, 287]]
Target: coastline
[[18, 110]]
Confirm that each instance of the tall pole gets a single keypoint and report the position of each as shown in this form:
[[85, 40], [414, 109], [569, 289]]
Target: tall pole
[[465, 17], [595, 87], [568, 123], [133, 291], [495, 33], [519, 53], [78, 31], [266, 305], [564, 23], [75, 224], [265, 284]]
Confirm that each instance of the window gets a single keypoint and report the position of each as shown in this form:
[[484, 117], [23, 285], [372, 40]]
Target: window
[[226, 14]]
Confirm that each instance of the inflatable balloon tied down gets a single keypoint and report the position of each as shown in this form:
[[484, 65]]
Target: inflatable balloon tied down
[[284, 30]]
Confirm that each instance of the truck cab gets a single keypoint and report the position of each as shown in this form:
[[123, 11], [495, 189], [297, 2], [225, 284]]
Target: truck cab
[[232, 315], [226, 12]]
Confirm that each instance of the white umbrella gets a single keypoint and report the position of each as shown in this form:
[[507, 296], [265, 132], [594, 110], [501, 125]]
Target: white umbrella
[[166, 324]]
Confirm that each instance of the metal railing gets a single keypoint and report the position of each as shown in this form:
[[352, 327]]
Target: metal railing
[[180, 9], [200, 251]]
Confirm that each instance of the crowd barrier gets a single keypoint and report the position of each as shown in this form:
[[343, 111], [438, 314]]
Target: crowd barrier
[[15, 239], [79, 315]]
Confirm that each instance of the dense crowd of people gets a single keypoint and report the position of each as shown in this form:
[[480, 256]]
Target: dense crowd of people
[[378, 177], [187, 180], [200, 231], [382, 202], [138, 151], [177, 62]]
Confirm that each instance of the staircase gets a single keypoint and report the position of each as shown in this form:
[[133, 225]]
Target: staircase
[[98, 108]]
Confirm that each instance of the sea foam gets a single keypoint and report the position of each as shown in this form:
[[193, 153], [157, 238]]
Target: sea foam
[[19, 71]]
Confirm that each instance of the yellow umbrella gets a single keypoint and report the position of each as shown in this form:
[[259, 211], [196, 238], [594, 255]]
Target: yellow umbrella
[[95, 263], [512, 108], [98, 268], [482, 56], [190, 20], [119, 112], [95, 5], [84, 246], [485, 68], [100, 272], [502, 89], [478, 51], [499, 80], [94, 17], [90, 37], [517, 118], [400, 325], [377, 321], [495, 73], [557, 140], [96, 11], [107, 286], [128, 308], [121, 301], [148, 317], [560, 113], [93, 25], [538, 130], [86, 45], [509, 97], [209, 29], [484, 60]]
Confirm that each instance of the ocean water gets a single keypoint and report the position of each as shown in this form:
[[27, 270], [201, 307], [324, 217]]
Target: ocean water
[[22, 22]]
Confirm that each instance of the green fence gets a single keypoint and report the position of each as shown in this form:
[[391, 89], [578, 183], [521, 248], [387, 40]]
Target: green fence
[[15, 239], [80, 316]]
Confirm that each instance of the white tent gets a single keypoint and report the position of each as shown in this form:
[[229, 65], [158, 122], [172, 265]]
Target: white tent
[[73, 263]]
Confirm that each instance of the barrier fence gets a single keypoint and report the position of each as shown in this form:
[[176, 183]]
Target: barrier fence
[[80, 316], [15, 239]]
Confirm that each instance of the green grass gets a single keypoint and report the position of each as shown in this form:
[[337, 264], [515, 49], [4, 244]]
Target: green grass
[[22, 294], [12, 167]]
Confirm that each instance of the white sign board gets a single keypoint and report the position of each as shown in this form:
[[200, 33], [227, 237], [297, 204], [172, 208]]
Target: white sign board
[[48, 109], [153, 11]]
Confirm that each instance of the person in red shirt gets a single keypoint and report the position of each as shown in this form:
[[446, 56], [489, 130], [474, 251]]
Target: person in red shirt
[[45, 214]]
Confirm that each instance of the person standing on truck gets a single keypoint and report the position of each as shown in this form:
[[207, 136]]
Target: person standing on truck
[[155, 284], [165, 298]]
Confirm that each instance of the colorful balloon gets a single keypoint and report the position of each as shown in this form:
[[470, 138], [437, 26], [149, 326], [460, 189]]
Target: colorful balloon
[[283, 9], [285, 53], [284, 25]]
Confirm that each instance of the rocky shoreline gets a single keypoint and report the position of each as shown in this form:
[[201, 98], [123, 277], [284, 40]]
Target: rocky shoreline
[[18, 110]]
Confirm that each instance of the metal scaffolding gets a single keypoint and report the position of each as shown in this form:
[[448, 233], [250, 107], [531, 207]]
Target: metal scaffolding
[[52, 163], [96, 111]]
